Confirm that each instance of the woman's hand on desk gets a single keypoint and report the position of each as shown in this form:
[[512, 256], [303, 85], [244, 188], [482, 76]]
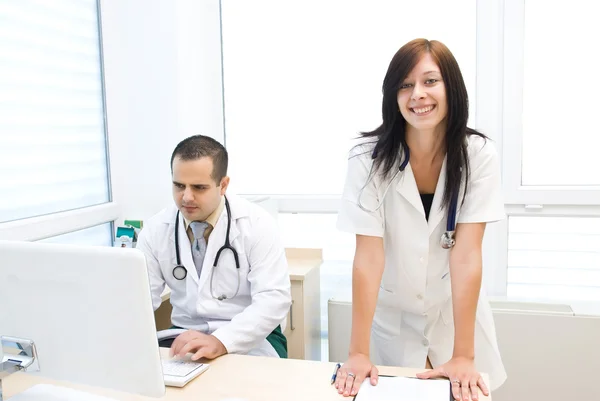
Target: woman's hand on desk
[[200, 344], [466, 380], [351, 375]]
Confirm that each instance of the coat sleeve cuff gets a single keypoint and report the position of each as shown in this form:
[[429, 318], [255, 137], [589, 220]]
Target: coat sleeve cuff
[[227, 338]]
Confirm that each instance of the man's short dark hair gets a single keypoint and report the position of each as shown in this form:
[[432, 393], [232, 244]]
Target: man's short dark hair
[[198, 146]]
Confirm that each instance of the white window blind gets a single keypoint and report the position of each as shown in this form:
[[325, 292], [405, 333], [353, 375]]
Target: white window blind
[[53, 150], [100, 235], [302, 78], [554, 258]]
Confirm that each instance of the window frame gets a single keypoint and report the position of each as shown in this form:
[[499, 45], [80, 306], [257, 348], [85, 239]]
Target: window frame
[[531, 197], [54, 224]]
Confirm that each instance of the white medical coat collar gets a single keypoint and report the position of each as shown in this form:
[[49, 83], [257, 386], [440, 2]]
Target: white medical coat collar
[[407, 187]]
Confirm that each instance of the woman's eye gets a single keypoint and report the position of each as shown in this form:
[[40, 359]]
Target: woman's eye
[[404, 86], [431, 81]]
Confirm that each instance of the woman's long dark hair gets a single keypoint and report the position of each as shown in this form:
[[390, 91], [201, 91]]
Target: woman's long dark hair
[[391, 134]]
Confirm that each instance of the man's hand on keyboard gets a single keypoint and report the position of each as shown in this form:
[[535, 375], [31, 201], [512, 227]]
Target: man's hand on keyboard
[[202, 345]]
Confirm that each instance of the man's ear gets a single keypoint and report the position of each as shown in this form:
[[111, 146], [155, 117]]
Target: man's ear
[[224, 184]]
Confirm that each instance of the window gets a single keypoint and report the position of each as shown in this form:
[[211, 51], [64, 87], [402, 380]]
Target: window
[[100, 235], [552, 185], [53, 150], [550, 86], [554, 258], [301, 79], [555, 142]]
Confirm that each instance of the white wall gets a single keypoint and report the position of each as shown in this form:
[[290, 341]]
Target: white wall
[[163, 83]]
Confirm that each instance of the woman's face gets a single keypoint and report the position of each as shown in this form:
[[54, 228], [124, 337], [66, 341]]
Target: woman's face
[[422, 96]]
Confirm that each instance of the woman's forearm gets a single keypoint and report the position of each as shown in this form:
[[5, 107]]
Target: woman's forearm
[[366, 278], [465, 275]]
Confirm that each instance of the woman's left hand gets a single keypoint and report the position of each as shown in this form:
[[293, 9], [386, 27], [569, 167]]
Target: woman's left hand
[[466, 381]]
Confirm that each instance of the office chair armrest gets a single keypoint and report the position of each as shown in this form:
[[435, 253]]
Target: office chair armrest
[[169, 333]]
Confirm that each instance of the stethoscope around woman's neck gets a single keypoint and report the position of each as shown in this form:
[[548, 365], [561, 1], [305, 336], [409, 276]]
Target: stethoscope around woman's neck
[[447, 241], [180, 272]]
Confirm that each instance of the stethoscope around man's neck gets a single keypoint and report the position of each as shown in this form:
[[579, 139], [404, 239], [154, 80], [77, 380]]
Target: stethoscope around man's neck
[[447, 241], [180, 272]]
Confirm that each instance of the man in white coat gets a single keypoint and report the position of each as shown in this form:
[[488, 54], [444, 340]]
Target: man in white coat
[[222, 258]]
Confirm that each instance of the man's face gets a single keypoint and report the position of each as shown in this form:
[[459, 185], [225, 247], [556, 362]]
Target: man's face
[[195, 192]]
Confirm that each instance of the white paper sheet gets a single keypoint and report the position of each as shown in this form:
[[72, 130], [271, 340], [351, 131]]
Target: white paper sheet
[[49, 392], [404, 389]]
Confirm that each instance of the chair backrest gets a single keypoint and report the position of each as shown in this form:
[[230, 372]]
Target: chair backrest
[[339, 325], [548, 355]]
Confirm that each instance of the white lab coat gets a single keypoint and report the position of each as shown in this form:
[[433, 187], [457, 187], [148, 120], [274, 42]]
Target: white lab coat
[[413, 317], [241, 323]]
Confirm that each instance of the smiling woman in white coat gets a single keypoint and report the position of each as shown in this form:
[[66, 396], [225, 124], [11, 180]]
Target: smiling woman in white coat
[[418, 194], [222, 258]]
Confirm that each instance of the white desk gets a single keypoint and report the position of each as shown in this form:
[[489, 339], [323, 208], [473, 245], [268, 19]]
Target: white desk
[[252, 378]]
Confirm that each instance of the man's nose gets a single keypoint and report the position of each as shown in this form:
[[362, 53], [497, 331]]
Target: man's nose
[[187, 194]]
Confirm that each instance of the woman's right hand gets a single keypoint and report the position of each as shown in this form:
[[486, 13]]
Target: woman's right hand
[[352, 373]]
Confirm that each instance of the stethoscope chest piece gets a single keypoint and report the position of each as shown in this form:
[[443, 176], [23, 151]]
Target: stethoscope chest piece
[[447, 241], [179, 272]]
